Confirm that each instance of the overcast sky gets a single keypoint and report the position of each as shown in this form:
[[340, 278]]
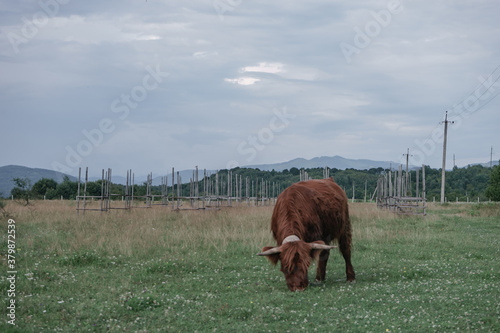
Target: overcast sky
[[151, 85]]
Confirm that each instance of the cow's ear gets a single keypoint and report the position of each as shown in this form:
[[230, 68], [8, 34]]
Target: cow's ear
[[315, 253], [273, 258]]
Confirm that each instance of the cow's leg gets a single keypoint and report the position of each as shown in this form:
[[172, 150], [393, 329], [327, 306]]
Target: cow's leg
[[321, 270], [345, 249]]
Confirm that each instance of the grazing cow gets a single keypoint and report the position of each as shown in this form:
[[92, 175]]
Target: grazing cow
[[308, 215]]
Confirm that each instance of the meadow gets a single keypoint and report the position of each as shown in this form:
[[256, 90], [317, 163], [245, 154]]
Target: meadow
[[157, 270]]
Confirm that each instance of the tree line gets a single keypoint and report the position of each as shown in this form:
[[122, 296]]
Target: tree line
[[471, 182]]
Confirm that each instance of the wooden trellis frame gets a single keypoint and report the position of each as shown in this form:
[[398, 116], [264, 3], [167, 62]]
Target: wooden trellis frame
[[217, 192], [395, 196]]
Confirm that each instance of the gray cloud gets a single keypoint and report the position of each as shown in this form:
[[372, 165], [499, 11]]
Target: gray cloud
[[64, 66]]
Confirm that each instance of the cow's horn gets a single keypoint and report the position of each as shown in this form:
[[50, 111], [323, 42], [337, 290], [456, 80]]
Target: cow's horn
[[274, 250], [317, 246]]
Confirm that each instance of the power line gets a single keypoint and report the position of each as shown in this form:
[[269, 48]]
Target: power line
[[477, 99], [473, 93]]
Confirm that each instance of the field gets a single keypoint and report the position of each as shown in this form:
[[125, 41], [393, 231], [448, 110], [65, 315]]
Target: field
[[155, 270]]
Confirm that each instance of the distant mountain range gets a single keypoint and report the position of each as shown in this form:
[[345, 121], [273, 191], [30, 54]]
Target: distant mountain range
[[8, 172], [338, 162]]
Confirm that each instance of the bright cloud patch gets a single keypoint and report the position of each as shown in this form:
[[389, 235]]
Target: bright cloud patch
[[204, 54], [265, 67], [244, 81], [148, 37], [287, 71]]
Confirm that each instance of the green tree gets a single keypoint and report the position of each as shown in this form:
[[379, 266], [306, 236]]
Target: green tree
[[51, 194], [493, 189], [294, 171], [22, 190], [67, 189], [42, 186]]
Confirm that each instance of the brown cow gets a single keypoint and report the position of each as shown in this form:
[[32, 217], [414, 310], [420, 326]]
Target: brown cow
[[307, 216]]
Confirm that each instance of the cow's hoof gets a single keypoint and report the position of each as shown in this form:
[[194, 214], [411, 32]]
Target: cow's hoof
[[351, 281]]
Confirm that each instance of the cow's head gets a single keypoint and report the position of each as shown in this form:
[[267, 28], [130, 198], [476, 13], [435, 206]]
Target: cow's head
[[295, 256]]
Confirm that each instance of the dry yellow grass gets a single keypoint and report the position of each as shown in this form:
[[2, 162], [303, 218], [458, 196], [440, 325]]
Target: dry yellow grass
[[55, 227]]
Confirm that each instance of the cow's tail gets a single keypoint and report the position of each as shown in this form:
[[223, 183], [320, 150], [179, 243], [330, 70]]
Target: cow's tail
[[345, 240], [345, 245]]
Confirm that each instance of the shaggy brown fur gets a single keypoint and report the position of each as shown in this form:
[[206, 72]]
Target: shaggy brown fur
[[315, 211]]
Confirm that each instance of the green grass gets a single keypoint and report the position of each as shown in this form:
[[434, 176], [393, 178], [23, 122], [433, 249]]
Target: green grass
[[160, 271]]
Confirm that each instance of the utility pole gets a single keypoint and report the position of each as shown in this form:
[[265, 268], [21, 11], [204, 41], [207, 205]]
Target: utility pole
[[444, 155], [491, 157]]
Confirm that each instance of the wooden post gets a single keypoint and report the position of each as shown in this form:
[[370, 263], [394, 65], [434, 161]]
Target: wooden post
[[173, 193], [247, 188], [257, 192], [126, 190], [85, 189], [366, 181], [191, 190], [267, 192], [78, 193], [178, 188], [251, 194], [149, 196], [400, 180], [165, 191], [217, 187], [423, 187], [377, 189], [196, 189], [130, 188], [409, 185], [229, 187], [102, 190], [204, 186], [108, 184], [395, 189], [390, 183]]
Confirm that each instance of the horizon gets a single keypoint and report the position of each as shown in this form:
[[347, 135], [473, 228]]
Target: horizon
[[98, 172]]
